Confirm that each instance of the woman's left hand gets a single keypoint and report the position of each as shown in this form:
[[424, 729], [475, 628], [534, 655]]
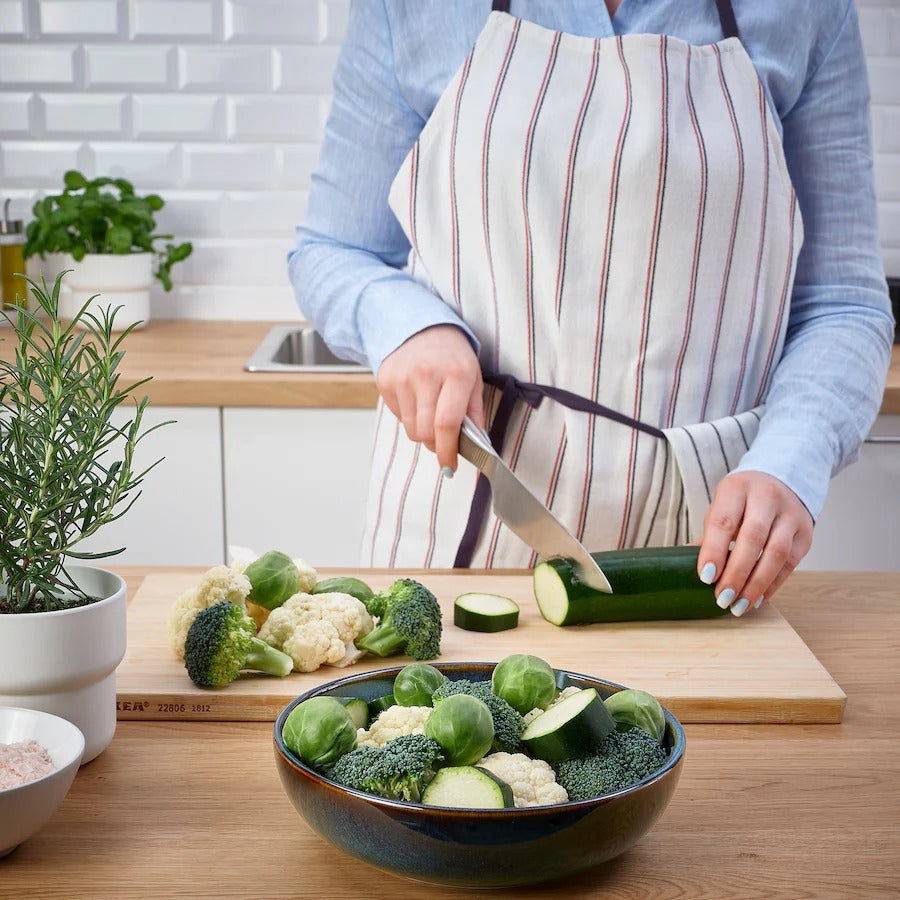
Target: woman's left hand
[[771, 529]]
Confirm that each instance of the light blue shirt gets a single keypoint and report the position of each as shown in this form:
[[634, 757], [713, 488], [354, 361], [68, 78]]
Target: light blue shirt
[[397, 59]]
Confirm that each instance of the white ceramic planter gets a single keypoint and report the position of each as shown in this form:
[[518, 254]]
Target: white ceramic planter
[[64, 662], [120, 280]]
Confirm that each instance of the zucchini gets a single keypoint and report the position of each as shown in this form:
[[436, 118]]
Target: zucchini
[[571, 728], [648, 583], [358, 709], [485, 612], [467, 787], [380, 704]]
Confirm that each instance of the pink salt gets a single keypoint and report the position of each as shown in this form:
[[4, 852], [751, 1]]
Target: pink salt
[[22, 762]]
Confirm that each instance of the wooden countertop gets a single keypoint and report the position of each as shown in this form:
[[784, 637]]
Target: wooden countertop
[[195, 809], [201, 363]]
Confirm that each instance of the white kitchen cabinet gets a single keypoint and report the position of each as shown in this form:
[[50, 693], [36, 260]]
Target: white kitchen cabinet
[[296, 481], [177, 520], [859, 527]]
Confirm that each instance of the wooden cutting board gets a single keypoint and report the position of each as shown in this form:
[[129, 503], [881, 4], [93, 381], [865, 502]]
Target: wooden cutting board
[[755, 669]]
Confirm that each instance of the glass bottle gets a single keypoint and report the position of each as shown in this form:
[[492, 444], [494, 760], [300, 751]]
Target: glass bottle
[[13, 287]]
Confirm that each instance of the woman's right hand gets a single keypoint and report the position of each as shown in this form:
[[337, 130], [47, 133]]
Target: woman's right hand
[[430, 382]]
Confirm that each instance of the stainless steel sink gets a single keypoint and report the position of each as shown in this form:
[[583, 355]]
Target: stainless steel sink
[[297, 348]]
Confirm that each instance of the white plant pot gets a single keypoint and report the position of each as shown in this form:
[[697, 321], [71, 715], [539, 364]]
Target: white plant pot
[[120, 280], [64, 662]]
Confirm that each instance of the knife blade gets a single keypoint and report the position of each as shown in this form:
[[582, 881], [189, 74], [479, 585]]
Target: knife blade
[[523, 513]]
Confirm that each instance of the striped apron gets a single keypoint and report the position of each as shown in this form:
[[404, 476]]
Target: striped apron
[[615, 221]]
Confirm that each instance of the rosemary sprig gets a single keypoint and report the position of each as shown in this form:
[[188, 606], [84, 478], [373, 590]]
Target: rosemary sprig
[[66, 469]]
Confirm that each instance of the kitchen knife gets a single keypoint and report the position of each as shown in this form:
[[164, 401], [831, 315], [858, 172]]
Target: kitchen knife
[[523, 513]]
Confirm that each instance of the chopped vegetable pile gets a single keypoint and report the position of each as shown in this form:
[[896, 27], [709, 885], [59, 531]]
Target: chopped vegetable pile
[[461, 743], [274, 616]]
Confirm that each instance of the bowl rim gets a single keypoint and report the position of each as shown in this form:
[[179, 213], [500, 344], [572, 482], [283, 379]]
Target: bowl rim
[[672, 761], [71, 759]]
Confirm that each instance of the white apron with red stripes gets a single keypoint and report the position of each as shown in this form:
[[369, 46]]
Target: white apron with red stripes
[[614, 217]]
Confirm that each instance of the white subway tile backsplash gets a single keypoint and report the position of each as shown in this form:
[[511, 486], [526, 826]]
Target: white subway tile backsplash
[[193, 213], [49, 65], [217, 300], [245, 262], [886, 128], [129, 66], [79, 17], [174, 19], [235, 166], [878, 26], [226, 68], [39, 164], [276, 118], [337, 12], [17, 115], [273, 20], [149, 164], [884, 78], [297, 162], [887, 176], [199, 117], [306, 70], [889, 223], [12, 18], [84, 115], [262, 214]]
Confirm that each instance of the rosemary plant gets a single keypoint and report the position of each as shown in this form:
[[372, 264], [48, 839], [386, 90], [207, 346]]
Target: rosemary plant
[[66, 469]]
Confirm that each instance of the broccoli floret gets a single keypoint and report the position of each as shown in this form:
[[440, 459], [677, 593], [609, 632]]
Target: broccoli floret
[[221, 642], [508, 724], [410, 622], [622, 759], [398, 770]]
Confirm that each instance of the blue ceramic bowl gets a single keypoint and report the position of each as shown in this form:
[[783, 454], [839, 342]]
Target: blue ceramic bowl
[[482, 847]]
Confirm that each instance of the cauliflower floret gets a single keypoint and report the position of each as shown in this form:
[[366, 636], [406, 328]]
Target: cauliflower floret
[[218, 584], [347, 614], [393, 722], [300, 628], [529, 717], [533, 781], [306, 575]]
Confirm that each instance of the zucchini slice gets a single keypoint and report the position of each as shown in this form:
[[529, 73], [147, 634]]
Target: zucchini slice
[[571, 728], [358, 709], [468, 787], [648, 583], [485, 612]]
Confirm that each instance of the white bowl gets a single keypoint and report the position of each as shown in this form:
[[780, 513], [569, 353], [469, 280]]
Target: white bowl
[[25, 809]]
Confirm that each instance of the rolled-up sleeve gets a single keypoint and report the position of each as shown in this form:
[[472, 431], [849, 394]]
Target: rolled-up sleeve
[[827, 388], [345, 266]]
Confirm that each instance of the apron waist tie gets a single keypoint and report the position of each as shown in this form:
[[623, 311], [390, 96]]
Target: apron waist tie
[[511, 390]]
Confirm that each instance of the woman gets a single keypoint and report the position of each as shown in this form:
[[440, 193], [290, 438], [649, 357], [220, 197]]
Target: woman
[[640, 244]]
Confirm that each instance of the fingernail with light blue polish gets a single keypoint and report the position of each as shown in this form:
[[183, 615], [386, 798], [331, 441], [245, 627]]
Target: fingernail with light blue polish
[[447, 472], [724, 599], [708, 573], [739, 608], [759, 602]]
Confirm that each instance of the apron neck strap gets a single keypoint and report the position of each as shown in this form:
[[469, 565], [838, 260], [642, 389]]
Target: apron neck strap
[[724, 7], [727, 18]]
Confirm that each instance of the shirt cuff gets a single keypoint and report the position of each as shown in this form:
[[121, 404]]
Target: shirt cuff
[[393, 309], [803, 465]]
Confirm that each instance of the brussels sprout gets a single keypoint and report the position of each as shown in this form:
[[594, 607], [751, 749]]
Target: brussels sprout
[[638, 709], [524, 682], [345, 585], [273, 578], [463, 726], [319, 730], [415, 684]]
